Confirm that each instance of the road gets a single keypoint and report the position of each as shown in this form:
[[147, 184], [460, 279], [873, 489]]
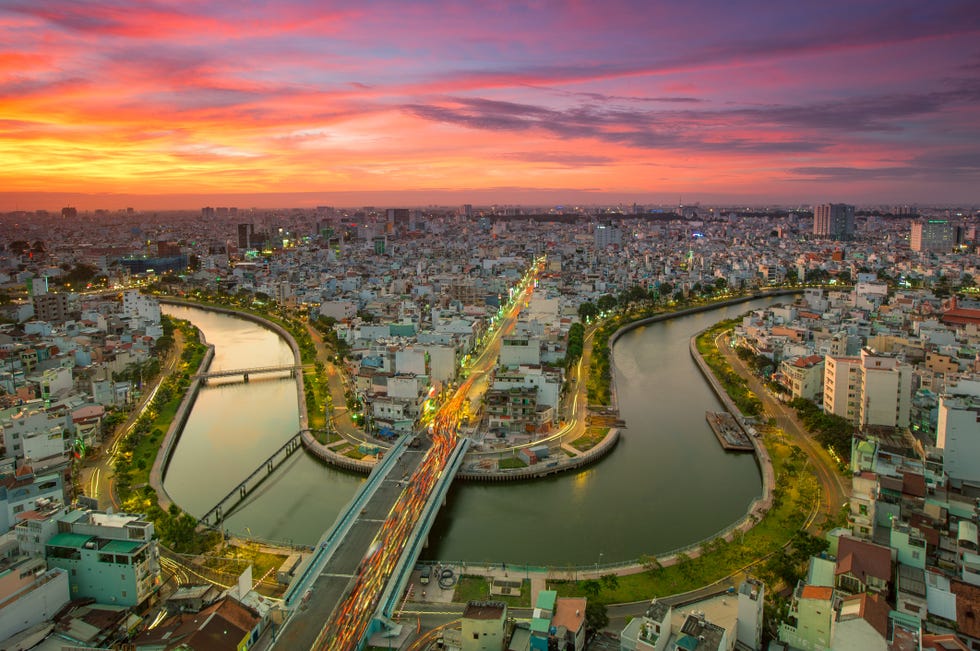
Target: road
[[96, 473], [345, 595], [835, 489]]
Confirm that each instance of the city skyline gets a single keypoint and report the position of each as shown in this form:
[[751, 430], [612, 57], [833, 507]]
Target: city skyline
[[160, 105]]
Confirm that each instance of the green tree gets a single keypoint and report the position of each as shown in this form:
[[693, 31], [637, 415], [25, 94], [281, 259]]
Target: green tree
[[609, 581], [587, 311], [596, 616], [606, 302], [591, 588], [650, 563]]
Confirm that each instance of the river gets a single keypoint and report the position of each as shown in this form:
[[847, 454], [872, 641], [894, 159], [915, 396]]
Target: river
[[667, 484]]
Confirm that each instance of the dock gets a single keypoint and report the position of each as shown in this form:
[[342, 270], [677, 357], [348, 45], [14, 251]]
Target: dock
[[729, 432]]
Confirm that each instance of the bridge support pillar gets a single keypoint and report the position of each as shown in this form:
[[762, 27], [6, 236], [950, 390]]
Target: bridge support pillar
[[245, 375]]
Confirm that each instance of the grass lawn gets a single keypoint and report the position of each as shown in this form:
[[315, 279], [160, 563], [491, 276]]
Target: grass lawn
[[592, 437], [326, 437], [511, 462], [797, 490]]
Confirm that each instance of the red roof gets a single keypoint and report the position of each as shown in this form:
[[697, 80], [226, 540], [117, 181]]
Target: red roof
[[967, 607], [872, 609], [863, 560], [961, 316], [914, 484], [819, 592]]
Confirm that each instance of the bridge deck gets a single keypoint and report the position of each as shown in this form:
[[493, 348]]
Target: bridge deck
[[334, 578]]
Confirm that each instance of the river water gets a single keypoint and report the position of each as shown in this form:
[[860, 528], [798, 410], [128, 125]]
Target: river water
[[667, 483]]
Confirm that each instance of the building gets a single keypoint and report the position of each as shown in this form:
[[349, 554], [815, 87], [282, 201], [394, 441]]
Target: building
[[30, 594], [698, 634], [111, 558], [226, 625], [936, 235], [140, 305], [484, 626], [607, 235], [24, 492], [810, 620], [246, 233], [512, 410], [520, 349], [751, 600], [39, 435], [872, 389], [569, 622], [803, 376], [52, 307], [958, 434], [861, 624], [651, 632], [833, 221]]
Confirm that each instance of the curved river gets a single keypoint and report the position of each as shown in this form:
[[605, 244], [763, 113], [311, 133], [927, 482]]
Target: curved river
[[667, 484]]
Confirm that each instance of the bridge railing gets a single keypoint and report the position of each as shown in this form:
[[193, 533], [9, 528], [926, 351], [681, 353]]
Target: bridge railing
[[393, 590], [344, 521]]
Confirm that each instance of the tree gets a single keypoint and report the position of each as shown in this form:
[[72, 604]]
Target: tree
[[650, 563], [609, 581], [606, 302], [596, 616], [591, 588], [587, 311]]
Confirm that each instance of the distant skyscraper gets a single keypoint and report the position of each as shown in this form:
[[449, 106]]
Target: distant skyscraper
[[933, 235], [834, 221], [607, 235], [245, 232], [69, 212]]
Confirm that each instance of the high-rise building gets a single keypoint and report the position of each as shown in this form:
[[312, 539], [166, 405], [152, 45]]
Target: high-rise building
[[69, 212], [933, 235], [607, 235], [834, 221], [245, 233], [958, 432], [51, 307], [872, 389]]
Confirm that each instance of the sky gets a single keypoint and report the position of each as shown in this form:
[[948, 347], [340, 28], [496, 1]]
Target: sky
[[307, 102]]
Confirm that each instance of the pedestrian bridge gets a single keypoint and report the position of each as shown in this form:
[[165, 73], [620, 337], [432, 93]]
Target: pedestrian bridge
[[244, 373]]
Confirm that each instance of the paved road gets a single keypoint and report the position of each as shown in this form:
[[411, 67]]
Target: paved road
[[835, 489], [96, 475]]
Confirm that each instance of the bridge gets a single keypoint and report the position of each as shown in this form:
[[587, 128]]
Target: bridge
[[246, 372], [215, 515], [349, 587]]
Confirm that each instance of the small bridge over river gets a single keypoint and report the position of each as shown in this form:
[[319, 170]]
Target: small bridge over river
[[244, 373]]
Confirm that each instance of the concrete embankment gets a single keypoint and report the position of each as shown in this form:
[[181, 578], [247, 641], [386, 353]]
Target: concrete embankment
[[762, 504], [545, 468], [170, 439], [325, 454]]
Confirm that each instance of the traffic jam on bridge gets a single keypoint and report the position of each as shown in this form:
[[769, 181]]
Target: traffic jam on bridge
[[350, 620]]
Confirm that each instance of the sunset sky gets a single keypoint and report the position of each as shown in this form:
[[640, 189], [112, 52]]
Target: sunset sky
[[305, 102]]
